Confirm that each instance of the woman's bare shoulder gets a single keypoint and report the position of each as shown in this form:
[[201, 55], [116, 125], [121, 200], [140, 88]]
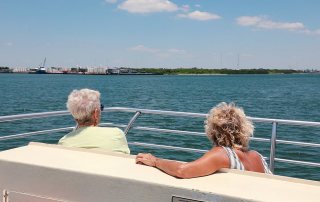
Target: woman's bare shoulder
[[217, 152], [217, 149], [254, 153]]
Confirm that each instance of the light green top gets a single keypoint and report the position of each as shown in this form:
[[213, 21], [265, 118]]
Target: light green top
[[99, 138]]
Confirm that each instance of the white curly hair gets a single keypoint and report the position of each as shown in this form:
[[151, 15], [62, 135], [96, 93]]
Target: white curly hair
[[81, 104], [227, 126]]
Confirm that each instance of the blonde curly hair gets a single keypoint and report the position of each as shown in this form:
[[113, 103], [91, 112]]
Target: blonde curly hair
[[227, 126]]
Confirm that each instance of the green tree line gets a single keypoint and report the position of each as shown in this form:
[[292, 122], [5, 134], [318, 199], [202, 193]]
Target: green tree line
[[217, 71]]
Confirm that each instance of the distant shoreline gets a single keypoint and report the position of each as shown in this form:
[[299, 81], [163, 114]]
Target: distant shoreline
[[199, 74], [80, 74], [151, 71]]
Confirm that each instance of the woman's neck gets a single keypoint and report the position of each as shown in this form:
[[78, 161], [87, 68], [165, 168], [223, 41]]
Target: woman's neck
[[86, 125], [82, 126]]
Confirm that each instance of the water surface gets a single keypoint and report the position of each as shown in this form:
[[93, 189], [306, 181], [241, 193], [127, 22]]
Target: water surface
[[295, 96]]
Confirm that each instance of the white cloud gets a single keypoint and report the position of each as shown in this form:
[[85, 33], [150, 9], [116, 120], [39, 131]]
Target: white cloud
[[248, 20], [198, 15], [263, 22], [311, 32], [111, 1], [148, 6]]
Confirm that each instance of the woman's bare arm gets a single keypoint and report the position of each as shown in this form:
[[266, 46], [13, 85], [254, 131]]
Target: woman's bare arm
[[209, 163]]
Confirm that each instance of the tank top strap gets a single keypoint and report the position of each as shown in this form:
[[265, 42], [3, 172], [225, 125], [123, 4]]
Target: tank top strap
[[265, 165], [235, 162]]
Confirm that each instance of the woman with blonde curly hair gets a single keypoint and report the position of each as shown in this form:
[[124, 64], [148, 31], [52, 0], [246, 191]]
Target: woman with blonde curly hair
[[229, 129]]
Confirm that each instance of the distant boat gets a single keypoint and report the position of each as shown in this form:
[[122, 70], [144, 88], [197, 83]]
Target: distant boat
[[5, 70], [40, 70]]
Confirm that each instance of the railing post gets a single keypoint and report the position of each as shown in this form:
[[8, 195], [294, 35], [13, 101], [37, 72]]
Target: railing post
[[273, 143], [5, 196], [132, 120]]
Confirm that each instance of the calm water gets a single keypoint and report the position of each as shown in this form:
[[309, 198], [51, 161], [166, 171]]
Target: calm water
[[266, 96]]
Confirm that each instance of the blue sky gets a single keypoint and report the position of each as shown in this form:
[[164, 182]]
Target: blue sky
[[161, 33]]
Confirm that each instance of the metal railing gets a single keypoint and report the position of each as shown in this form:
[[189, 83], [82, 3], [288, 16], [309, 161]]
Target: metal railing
[[137, 112]]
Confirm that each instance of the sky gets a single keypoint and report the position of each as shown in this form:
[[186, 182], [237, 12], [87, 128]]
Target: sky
[[233, 34]]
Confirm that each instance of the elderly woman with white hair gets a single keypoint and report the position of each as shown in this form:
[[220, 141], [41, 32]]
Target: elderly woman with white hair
[[229, 129], [85, 107]]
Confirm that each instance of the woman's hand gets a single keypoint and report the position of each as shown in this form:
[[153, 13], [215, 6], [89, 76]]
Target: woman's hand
[[146, 159]]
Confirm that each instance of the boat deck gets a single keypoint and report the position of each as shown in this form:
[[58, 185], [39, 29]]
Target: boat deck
[[42, 172]]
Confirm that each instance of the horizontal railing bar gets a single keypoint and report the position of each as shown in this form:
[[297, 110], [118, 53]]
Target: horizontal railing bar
[[113, 124], [167, 147], [259, 139], [168, 131], [32, 116], [202, 115], [158, 112], [174, 131], [148, 111], [22, 135], [297, 162], [157, 129], [298, 143], [284, 121]]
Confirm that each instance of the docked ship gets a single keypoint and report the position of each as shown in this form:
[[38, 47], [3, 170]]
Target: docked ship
[[39, 70], [49, 172]]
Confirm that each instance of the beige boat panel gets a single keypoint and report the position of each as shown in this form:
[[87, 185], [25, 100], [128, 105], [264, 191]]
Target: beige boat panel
[[76, 174]]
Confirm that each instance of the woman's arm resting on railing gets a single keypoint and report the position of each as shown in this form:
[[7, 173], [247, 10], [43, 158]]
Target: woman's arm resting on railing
[[209, 163]]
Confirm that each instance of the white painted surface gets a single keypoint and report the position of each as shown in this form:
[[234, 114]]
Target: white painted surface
[[79, 175]]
